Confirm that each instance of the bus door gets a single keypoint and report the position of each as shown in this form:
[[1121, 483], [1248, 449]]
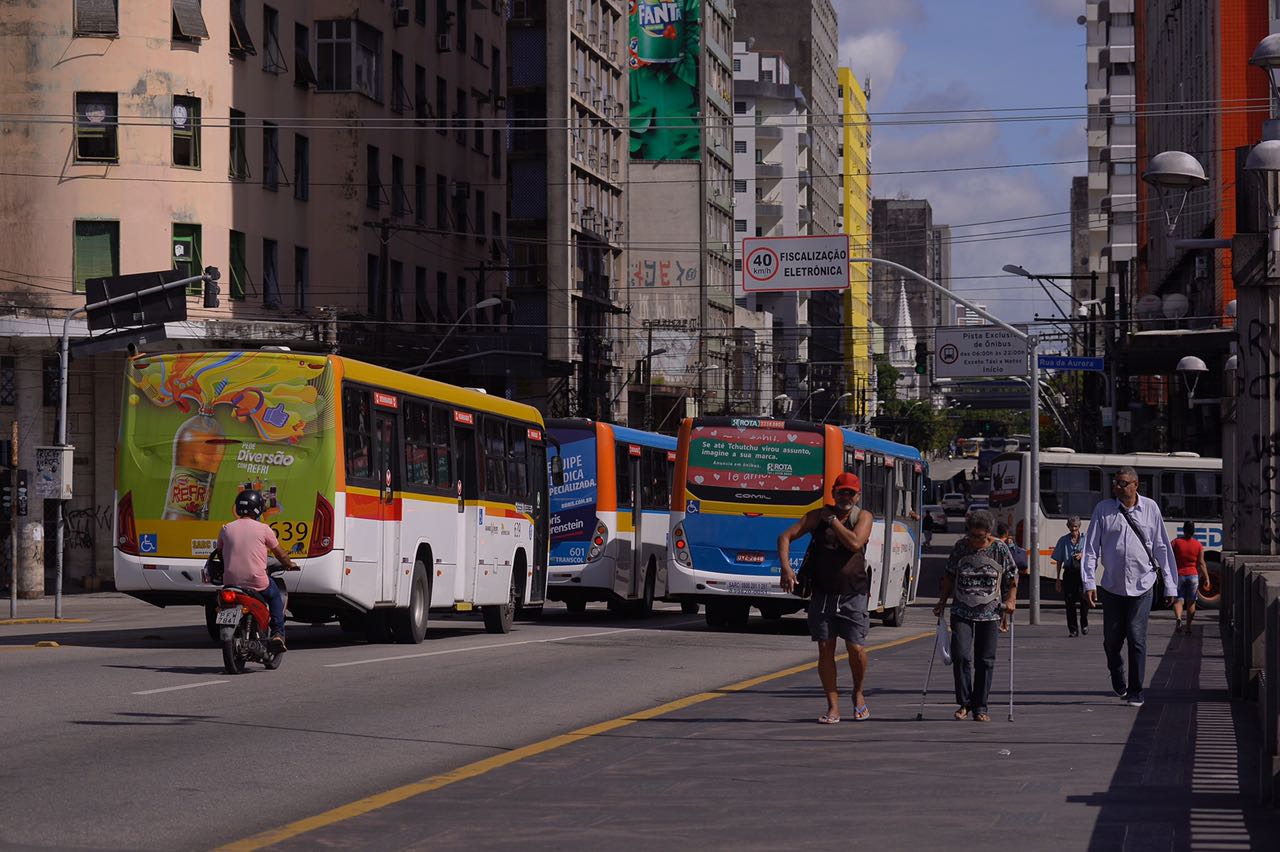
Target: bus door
[[628, 473], [882, 498], [541, 515], [467, 488], [386, 455]]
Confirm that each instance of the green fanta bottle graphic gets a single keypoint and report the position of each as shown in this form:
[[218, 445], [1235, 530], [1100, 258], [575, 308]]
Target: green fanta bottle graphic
[[656, 31], [197, 453]]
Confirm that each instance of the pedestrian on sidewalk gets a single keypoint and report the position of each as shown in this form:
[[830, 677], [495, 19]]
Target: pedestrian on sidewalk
[[837, 562], [1126, 539], [1067, 554], [984, 579], [1188, 555]]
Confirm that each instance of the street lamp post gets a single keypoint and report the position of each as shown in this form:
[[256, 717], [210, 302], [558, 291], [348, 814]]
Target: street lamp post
[[808, 400], [491, 302], [839, 399]]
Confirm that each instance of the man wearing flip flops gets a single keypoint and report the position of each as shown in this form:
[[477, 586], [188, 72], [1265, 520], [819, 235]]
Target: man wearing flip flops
[[841, 581]]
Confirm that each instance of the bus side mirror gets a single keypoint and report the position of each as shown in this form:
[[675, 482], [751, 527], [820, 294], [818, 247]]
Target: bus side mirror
[[557, 471]]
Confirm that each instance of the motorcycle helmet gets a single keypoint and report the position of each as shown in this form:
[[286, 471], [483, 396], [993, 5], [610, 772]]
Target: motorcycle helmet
[[249, 504]]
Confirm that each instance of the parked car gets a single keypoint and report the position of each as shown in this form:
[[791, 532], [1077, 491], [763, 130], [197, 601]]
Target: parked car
[[939, 516], [953, 503], [977, 504]]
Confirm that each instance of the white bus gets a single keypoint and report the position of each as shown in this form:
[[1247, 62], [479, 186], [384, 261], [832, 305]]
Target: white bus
[[395, 494], [1184, 485]]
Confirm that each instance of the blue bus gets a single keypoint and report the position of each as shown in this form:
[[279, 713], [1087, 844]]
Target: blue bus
[[609, 516], [742, 481]]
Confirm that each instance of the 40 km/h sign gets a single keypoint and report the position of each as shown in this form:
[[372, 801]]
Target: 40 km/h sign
[[785, 264]]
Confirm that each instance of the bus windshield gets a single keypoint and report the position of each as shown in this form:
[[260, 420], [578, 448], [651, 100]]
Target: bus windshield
[[573, 501], [198, 428], [755, 465]]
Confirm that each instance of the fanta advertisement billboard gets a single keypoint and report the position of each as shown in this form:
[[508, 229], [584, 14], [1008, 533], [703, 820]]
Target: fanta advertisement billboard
[[664, 49], [196, 429]]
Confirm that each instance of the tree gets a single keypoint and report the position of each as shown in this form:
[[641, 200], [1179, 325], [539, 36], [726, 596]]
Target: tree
[[887, 377]]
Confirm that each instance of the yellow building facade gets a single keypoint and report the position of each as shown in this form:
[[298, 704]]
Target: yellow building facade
[[855, 185]]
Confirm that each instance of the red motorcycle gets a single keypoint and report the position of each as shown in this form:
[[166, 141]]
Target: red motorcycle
[[243, 621]]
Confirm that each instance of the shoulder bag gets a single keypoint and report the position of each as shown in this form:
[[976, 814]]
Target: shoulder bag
[[1161, 592]]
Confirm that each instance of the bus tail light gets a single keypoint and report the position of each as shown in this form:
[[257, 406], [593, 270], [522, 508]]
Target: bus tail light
[[598, 541], [126, 531], [680, 545], [321, 528]]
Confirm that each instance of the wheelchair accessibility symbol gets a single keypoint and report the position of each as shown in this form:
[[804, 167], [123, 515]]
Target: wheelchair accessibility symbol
[[692, 507], [148, 543]]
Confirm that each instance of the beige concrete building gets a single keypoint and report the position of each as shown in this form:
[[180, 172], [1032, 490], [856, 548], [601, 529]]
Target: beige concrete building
[[338, 153]]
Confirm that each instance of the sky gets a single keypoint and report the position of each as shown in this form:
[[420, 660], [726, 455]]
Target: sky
[[929, 55]]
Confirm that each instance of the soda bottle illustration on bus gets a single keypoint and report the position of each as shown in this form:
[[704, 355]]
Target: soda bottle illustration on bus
[[198, 447]]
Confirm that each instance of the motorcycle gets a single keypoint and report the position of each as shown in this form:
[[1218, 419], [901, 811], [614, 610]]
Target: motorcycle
[[243, 621]]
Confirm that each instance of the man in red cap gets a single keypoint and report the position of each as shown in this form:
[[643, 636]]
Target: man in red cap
[[841, 582]]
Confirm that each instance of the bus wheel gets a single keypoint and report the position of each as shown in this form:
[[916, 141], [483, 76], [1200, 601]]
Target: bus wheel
[[376, 629], [576, 605], [895, 617], [643, 608], [739, 616], [771, 611], [717, 615], [409, 625], [498, 619], [210, 623], [689, 607], [1210, 596]]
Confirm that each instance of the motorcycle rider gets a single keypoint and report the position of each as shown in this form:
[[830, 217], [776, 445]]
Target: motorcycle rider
[[245, 543]]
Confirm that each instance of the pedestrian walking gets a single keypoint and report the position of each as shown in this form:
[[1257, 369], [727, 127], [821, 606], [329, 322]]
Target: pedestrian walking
[[981, 574], [1067, 554], [926, 529], [1127, 543], [1188, 555], [837, 563]]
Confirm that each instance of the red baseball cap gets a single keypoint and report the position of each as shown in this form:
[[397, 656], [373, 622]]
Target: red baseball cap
[[847, 480]]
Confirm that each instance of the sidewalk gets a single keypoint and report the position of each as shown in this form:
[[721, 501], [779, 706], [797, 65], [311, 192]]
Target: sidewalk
[[1077, 769]]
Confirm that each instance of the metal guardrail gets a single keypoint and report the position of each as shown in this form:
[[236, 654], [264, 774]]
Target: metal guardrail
[[1249, 616]]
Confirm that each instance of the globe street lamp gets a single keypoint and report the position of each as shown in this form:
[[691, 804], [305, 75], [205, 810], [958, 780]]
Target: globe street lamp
[[839, 399], [491, 302]]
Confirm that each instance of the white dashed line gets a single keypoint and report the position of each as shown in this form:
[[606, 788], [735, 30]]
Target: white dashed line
[[176, 688]]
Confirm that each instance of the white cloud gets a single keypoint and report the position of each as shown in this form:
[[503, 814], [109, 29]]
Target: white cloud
[[873, 14], [1061, 10], [875, 54]]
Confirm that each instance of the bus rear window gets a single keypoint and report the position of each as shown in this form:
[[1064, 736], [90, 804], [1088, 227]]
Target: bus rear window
[[752, 465]]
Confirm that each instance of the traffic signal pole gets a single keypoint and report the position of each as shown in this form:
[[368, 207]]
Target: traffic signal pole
[[13, 525], [1031, 482]]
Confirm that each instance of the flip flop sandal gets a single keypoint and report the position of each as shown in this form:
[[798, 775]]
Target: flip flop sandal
[[861, 713], [981, 717], [824, 719], [961, 714]]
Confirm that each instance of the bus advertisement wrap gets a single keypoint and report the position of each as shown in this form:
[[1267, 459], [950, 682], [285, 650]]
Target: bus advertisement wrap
[[738, 464], [196, 429], [573, 502], [664, 48]]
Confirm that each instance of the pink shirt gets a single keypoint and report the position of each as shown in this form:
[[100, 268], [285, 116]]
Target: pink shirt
[[245, 545]]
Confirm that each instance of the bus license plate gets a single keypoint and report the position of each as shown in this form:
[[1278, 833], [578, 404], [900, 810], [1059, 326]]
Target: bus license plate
[[739, 588], [229, 616]]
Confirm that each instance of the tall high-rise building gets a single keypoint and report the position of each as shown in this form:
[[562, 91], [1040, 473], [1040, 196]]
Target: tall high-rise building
[[855, 215], [319, 158], [567, 105]]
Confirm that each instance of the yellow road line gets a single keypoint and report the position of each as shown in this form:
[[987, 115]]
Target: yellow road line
[[4, 621], [480, 767]]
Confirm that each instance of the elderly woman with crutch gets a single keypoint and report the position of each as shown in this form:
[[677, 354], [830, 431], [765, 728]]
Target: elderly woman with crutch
[[983, 578]]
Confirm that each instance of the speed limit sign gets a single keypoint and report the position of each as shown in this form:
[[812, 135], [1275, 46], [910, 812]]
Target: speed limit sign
[[762, 264]]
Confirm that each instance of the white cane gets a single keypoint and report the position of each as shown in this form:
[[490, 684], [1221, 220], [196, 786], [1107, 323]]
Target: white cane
[[924, 692], [1010, 667]]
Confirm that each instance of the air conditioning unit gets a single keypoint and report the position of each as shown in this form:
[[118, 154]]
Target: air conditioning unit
[[500, 102], [444, 43], [461, 189], [400, 14]]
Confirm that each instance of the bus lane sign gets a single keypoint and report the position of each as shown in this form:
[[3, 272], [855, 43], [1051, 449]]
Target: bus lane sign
[[978, 351]]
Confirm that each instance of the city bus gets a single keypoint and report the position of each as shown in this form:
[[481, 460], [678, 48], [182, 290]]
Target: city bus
[[968, 448], [395, 494], [1184, 485], [609, 516], [740, 482]]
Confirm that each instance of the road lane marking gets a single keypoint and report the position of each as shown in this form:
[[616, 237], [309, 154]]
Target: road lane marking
[[487, 647], [377, 801], [4, 622], [176, 688]]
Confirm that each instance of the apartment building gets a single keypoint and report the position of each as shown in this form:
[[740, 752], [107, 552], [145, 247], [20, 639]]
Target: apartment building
[[342, 163], [855, 216], [568, 106]]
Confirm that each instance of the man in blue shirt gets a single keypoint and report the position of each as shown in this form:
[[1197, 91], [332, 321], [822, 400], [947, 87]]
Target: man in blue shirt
[[1126, 536], [1067, 554]]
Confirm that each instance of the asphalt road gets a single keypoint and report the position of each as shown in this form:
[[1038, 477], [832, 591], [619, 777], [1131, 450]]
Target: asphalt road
[[129, 735]]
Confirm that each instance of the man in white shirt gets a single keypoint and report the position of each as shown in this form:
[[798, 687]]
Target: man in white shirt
[[1128, 576]]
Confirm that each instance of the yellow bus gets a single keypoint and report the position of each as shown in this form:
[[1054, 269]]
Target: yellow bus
[[395, 494]]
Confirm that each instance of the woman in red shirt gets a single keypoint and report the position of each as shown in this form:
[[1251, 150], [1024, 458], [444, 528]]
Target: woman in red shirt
[[1189, 556]]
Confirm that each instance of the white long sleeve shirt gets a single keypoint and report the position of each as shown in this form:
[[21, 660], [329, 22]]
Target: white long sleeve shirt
[[1112, 545]]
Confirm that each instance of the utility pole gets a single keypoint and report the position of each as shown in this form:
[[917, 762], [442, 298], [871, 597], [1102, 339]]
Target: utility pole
[[13, 523]]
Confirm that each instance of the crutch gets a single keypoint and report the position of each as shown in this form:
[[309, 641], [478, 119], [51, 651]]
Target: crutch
[[1010, 667], [924, 692]]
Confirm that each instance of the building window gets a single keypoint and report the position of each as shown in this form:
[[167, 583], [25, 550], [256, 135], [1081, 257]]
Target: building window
[[372, 179], [479, 224], [51, 373], [301, 277], [420, 11], [303, 74], [396, 270], [477, 49], [301, 167], [8, 381], [399, 92], [460, 118], [239, 267], [371, 284], [461, 195], [421, 106], [737, 264], [737, 65], [186, 132], [442, 105], [462, 24], [241, 42], [496, 72], [187, 254], [766, 76], [739, 107], [97, 18], [96, 128], [270, 274], [461, 299], [272, 53], [349, 57], [739, 185], [270, 156], [739, 146], [420, 195], [238, 167], [442, 203], [442, 297], [399, 201], [759, 156], [188, 22], [495, 153], [96, 251], [739, 226], [421, 308]]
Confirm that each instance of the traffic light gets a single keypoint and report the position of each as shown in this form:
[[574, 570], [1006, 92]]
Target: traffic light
[[6, 493], [211, 288], [922, 358]]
